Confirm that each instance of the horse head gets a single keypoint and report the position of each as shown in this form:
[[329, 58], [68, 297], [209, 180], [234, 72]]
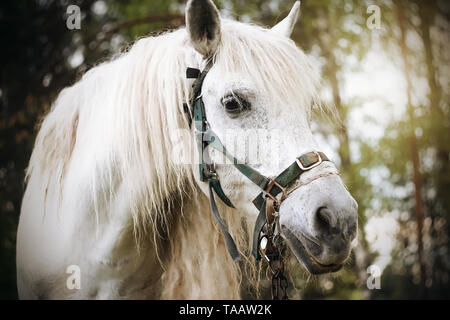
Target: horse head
[[257, 92]]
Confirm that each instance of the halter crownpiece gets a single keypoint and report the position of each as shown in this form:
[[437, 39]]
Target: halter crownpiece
[[273, 191]]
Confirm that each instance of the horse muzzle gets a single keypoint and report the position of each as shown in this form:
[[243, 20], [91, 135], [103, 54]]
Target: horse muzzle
[[319, 222]]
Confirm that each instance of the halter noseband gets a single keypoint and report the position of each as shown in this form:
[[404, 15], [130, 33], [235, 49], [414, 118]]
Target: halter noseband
[[274, 191]]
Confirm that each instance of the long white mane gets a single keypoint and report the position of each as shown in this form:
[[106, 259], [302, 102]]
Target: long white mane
[[129, 109]]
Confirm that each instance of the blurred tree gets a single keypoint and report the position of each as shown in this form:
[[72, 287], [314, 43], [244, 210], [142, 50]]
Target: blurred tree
[[34, 65], [420, 263], [417, 175]]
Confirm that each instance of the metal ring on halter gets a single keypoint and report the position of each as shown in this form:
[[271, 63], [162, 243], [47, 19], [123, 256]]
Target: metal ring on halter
[[213, 175], [269, 188], [212, 171]]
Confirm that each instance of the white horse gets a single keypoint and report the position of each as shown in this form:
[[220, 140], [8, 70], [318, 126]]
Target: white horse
[[110, 211]]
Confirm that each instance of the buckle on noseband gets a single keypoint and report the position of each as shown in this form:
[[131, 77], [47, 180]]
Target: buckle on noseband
[[269, 188], [313, 165]]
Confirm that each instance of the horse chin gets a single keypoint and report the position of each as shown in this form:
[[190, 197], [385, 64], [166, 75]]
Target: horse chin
[[304, 256]]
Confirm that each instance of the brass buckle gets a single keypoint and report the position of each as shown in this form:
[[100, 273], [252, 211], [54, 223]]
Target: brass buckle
[[269, 188], [319, 162]]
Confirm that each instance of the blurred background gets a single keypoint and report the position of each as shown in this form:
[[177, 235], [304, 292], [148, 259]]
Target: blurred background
[[386, 69]]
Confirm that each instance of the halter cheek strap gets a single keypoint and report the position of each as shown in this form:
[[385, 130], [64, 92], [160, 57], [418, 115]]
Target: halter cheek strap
[[268, 201]]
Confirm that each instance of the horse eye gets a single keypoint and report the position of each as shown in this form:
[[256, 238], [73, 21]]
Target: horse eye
[[234, 104]]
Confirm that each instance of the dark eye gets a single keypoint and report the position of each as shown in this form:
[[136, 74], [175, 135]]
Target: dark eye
[[234, 104]]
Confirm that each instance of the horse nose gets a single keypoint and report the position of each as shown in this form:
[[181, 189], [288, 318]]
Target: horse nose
[[325, 218], [322, 225], [336, 225]]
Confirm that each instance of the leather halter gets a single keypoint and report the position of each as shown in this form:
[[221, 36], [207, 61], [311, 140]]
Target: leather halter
[[273, 191]]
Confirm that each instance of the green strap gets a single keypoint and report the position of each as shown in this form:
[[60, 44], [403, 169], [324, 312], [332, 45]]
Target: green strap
[[254, 176], [215, 183], [289, 175], [200, 128], [229, 242]]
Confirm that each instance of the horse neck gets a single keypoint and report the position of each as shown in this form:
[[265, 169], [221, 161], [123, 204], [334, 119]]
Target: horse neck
[[199, 266]]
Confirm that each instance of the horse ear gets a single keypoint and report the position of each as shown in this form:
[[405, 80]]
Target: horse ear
[[203, 26], [286, 26]]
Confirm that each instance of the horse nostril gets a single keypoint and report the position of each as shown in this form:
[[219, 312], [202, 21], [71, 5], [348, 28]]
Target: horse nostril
[[326, 217]]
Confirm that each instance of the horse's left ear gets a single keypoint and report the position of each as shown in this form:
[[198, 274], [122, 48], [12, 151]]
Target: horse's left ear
[[286, 26], [203, 26]]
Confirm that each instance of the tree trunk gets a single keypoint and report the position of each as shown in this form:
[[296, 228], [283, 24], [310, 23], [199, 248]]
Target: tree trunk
[[426, 13], [417, 177]]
